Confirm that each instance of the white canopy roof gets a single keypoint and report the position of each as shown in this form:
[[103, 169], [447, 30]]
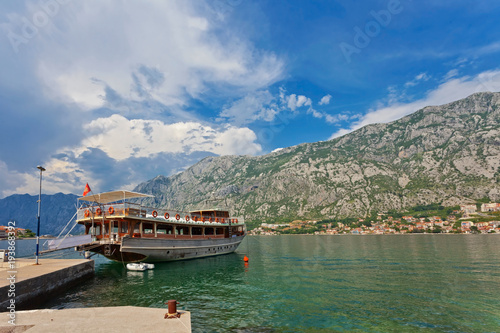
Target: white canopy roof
[[107, 197]]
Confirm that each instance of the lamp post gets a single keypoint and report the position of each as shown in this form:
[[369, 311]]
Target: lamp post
[[41, 168]]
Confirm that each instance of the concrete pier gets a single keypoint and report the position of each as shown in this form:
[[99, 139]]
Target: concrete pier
[[34, 284], [110, 319]]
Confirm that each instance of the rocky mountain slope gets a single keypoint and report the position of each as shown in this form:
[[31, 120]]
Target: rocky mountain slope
[[446, 154]]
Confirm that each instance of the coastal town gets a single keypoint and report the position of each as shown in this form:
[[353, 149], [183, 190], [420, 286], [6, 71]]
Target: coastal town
[[467, 220], [18, 232]]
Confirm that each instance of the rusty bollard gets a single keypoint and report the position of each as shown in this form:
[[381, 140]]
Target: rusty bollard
[[172, 309]]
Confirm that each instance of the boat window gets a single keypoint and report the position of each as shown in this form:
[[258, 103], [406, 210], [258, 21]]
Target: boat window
[[180, 230], [124, 227], [106, 228], [220, 231], [136, 228], [115, 227], [197, 231], [164, 229], [148, 228], [97, 230], [209, 231]]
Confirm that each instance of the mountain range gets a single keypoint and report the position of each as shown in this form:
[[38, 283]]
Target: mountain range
[[448, 154], [56, 211]]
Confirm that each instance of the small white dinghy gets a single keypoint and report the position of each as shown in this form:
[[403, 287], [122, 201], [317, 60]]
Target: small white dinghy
[[134, 266]]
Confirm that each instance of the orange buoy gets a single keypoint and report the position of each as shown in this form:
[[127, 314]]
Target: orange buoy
[[245, 259]]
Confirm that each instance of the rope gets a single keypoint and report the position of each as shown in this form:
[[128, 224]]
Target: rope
[[71, 219], [179, 319]]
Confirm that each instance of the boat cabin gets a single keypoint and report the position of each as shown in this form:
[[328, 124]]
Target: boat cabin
[[114, 215]]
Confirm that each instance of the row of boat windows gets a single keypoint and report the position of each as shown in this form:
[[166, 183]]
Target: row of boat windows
[[149, 228]]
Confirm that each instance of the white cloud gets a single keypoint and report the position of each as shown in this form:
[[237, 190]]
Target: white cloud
[[449, 91], [15, 182], [146, 138], [295, 101], [259, 105], [145, 60], [325, 100], [126, 147], [262, 105], [420, 77], [450, 74], [106, 45], [303, 101]]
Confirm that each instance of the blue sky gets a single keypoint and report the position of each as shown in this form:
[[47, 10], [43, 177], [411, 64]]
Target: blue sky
[[114, 93]]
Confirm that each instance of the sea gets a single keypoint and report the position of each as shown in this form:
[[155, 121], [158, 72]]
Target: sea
[[305, 283]]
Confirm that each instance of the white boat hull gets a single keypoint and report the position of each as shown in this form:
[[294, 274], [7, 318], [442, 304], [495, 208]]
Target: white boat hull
[[158, 250]]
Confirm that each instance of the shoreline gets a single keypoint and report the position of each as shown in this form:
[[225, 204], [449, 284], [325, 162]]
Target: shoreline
[[404, 234]]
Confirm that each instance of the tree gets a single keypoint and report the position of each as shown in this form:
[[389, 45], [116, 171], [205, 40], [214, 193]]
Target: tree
[[437, 229], [28, 233]]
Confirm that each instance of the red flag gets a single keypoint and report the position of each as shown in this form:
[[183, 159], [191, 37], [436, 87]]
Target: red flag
[[87, 189]]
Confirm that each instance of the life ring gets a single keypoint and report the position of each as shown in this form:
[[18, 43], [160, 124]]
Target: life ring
[[166, 216], [186, 217], [222, 221], [236, 220], [177, 217], [217, 219], [204, 219], [111, 210], [154, 213], [196, 218], [210, 220], [87, 213], [98, 211]]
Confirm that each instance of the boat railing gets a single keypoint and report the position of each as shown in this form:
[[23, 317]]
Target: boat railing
[[187, 217], [109, 210], [127, 209]]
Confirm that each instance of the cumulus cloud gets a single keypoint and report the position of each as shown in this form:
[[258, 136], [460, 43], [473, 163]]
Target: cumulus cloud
[[120, 152], [447, 92], [325, 100], [146, 138], [295, 101]]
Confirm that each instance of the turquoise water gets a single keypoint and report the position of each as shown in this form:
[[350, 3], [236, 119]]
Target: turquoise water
[[400, 283]]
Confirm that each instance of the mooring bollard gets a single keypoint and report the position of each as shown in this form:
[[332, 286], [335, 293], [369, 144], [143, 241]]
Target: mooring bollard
[[172, 309]]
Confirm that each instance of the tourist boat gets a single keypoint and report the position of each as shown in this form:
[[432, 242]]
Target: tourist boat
[[122, 229]]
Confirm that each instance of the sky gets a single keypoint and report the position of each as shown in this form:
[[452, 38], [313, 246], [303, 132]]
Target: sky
[[114, 93]]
